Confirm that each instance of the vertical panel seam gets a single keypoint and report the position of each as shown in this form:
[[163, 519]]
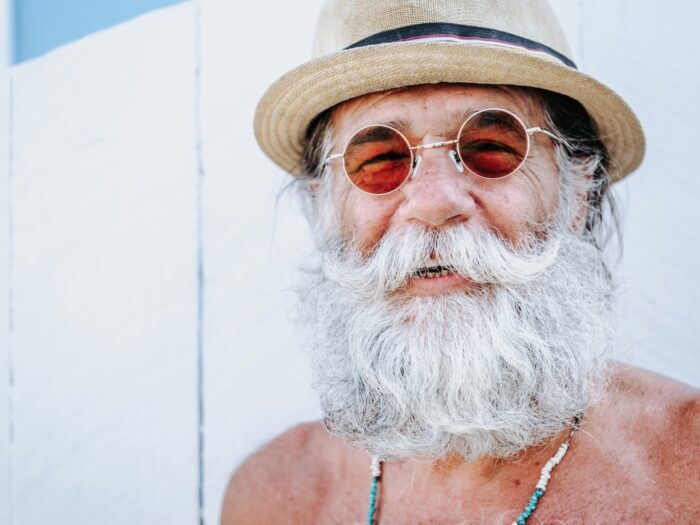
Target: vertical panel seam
[[200, 259], [10, 298]]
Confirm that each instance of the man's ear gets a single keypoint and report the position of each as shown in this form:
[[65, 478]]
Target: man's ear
[[313, 190], [578, 223]]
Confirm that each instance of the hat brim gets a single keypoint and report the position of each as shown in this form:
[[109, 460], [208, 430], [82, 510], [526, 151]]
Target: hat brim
[[290, 104]]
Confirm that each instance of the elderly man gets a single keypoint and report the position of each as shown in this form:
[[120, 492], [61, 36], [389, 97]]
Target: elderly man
[[455, 168]]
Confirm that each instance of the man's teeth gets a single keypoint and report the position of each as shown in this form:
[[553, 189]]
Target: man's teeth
[[434, 271]]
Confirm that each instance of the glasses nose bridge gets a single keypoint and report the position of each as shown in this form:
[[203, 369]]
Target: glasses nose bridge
[[432, 145]]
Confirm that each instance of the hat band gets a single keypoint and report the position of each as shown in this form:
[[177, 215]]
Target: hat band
[[458, 32]]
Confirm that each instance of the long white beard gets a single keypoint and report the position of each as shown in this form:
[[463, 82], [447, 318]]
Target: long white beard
[[485, 372]]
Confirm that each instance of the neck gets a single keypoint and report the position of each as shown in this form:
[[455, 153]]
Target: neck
[[455, 473]]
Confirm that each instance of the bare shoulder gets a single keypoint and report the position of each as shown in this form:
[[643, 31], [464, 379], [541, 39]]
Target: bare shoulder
[[282, 482], [657, 402], [661, 416]]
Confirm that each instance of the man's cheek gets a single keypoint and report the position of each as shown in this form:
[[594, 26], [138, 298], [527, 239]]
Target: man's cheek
[[368, 230]]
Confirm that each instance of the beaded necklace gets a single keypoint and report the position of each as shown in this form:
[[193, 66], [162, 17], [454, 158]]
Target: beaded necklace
[[540, 488]]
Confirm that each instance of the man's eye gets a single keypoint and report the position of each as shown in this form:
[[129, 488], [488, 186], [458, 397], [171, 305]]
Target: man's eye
[[389, 155], [485, 146]]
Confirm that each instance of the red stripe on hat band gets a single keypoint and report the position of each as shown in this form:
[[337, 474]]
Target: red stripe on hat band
[[459, 32]]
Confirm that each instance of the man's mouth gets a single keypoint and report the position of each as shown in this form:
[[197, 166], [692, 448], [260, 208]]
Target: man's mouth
[[431, 272], [436, 278]]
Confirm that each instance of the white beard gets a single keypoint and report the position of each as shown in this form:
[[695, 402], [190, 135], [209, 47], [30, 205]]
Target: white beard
[[473, 373]]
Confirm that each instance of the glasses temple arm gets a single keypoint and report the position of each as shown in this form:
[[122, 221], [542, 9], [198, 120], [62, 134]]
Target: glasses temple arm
[[550, 135], [329, 158]]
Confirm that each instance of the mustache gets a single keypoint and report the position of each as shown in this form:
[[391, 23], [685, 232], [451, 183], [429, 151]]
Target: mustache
[[478, 254]]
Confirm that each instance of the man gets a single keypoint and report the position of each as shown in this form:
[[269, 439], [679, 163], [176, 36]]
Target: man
[[455, 168]]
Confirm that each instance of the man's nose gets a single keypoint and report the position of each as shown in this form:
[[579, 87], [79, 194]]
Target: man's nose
[[439, 193]]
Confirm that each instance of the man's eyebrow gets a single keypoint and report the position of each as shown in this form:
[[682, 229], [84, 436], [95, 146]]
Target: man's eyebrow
[[373, 133], [451, 120], [507, 123], [398, 124], [464, 115]]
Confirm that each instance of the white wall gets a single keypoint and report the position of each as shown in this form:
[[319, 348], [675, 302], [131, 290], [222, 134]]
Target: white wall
[[256, 377], [5, 447], [112, 200], [644, 51], [104, 278]]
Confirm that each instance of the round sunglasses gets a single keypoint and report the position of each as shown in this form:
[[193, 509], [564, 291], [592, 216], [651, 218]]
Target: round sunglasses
[[491, 143]]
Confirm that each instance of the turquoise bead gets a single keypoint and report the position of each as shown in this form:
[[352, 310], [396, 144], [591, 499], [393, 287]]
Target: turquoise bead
[[372, 502]]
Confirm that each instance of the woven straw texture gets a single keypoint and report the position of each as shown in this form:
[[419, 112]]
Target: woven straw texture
[[335, 76]]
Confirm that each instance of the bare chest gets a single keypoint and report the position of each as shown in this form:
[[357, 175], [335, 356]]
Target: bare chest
[[571, 501]]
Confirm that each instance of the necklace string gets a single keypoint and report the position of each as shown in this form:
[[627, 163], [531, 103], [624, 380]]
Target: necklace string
[[540, 488]]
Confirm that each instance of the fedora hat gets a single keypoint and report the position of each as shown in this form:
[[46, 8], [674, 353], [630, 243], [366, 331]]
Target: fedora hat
[[366, 46]]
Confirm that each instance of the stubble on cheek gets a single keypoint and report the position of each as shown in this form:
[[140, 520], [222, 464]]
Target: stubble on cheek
[[528, 207], [363, 219]]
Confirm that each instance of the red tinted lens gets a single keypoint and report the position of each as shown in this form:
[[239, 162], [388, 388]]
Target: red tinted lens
[[377, 159], [493, 143]]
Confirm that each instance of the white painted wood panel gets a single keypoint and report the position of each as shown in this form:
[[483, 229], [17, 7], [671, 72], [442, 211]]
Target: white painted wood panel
[[105, 278], [5, 257], [256, 376], [648, 52], [5, 411]]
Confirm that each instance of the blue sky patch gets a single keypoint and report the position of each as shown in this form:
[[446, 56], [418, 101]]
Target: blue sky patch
[[41, 25]]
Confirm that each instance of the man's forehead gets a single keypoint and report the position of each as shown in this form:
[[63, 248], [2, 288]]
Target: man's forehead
[[441, 104]]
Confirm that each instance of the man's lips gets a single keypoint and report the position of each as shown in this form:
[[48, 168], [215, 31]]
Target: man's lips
[[436, 280]]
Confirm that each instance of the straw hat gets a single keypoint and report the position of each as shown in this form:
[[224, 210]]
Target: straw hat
[[365, 46]]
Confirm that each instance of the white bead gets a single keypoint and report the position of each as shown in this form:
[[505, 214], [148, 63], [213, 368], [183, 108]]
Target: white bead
[[376, 467]]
